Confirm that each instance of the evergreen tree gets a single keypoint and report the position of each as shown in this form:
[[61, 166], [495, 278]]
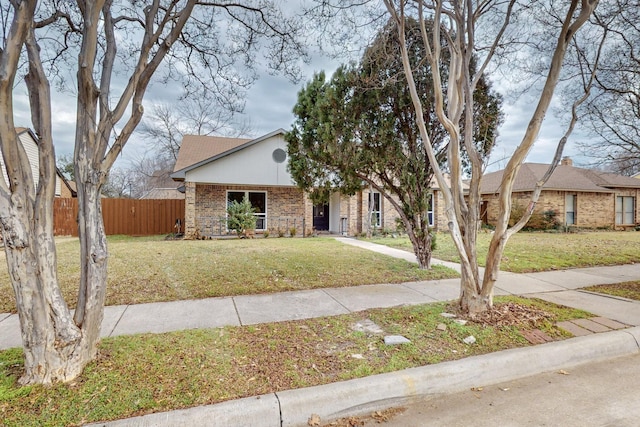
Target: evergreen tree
[[359, 127]]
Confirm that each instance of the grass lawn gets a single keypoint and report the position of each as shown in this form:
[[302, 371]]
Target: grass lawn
[[528, 252], [135, 375], [630, 290], [151, 269]]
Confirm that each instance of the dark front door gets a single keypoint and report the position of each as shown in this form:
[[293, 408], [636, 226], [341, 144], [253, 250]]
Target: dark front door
[[321, 217]]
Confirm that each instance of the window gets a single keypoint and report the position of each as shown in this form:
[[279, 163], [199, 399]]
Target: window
[[625, 206], [430, 210], [374, 208], [258, 200], [570, 209]]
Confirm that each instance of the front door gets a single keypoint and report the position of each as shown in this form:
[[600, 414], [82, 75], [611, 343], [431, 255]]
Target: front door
[[321, 217]]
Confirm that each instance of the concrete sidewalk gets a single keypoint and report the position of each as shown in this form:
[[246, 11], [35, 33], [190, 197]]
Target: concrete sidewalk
[[358, 396], [558, 287]]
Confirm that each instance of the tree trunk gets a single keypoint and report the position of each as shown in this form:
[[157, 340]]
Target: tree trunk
[[471, 298], [51, 341], [93, 256], [421, 241]]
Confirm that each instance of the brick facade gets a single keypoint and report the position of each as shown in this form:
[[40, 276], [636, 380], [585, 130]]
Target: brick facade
[[592, 210], [206, 206]]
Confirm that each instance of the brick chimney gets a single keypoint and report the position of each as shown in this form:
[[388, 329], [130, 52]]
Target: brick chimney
[[566, 161]]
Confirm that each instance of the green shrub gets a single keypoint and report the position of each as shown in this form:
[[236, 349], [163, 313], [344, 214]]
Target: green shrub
[[240, 217], [547, 220]]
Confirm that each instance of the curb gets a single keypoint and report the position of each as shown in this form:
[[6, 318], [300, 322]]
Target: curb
[[292, 408]]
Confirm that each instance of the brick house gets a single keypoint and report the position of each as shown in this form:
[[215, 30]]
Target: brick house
[[218, 170], [580, 197]]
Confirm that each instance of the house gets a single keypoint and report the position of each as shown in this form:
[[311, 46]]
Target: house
[[160, 185], [168, 193], [218, 170], [29, 140], [580, 197]]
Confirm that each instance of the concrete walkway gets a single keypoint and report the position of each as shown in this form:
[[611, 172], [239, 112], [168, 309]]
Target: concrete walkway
[[555, 286]]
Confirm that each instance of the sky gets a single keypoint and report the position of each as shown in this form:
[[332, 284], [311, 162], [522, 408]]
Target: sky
[[269, 104]]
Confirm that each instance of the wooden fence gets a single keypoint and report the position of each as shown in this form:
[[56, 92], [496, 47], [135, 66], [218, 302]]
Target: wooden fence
[[123, 216]]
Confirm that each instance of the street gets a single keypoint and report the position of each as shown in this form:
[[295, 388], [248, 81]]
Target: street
[[597, 394]]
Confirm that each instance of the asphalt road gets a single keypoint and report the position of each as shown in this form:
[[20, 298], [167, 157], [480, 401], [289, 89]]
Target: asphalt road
[[597, 394]]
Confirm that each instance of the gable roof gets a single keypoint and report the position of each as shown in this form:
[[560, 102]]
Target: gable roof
[[200, 150], [564, 178], [195, 148]]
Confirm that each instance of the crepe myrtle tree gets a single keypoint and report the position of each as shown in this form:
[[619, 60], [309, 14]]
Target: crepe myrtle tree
[[358, 129], [103, 41], [459, 30]]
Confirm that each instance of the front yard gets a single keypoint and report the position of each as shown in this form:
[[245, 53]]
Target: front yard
[[529, 252], [139, 374], [151, 269]]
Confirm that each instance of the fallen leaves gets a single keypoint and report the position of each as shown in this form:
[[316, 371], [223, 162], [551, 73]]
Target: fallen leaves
[[510, 314]]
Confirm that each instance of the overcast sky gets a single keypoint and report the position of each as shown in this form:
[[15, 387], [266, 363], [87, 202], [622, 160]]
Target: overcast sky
[[269, 106]]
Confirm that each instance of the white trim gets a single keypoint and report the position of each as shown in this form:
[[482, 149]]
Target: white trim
[[622, 210], [375, 212], [430, 212], [257, 215]]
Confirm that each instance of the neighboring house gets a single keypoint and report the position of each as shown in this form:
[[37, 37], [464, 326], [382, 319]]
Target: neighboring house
[[218, 170], [163, 193], [29, 141], [160, 185], [580, 197]]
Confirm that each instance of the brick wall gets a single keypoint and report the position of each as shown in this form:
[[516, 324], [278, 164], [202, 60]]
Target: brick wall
[[592, 210], [206, 204], [205, 209]]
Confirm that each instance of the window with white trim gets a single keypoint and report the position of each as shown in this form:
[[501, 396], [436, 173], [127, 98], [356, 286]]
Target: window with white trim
[[625, 207], [258, 200], [570, 209], [430, 210], [375, 209]]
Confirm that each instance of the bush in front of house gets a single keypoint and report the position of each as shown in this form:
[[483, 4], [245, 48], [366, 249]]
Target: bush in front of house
[[240, 217], [547, 220]]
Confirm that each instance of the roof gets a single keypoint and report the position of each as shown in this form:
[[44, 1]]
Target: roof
[[195, 148], [564, 178], [200, 150], [447, 179], [163, 193]]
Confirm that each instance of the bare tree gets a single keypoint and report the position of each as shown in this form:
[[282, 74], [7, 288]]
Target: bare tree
[[195, 115], [482, 28], [612, 114], [206, 39]]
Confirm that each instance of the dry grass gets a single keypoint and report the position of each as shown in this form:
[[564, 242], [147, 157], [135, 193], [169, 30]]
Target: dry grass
[[136, 375], [153, 269], [537, 251], [630, 290]]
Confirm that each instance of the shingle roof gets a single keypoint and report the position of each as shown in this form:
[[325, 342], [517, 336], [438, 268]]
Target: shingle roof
[[564, 178], [163, 193], [196, 148]]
